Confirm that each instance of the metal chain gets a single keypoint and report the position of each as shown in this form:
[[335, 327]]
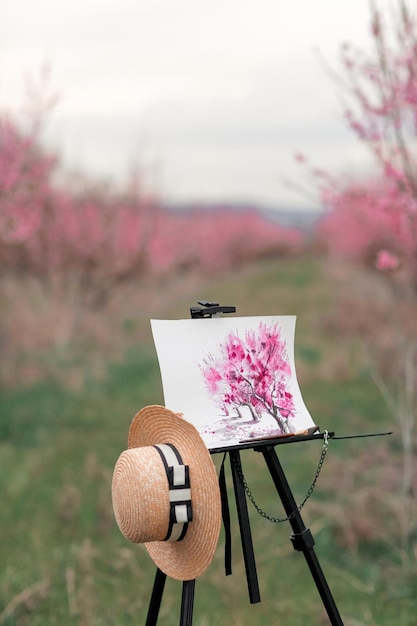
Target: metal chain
[[277, 520]]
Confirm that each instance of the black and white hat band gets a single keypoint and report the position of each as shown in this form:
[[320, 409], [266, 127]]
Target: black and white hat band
[[178, 476]]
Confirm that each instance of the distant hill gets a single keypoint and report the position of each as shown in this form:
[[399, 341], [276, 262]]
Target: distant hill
[[301, 218]]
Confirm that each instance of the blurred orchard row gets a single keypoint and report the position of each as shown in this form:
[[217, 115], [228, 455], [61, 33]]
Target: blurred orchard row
[[107, 237], [86, 239]]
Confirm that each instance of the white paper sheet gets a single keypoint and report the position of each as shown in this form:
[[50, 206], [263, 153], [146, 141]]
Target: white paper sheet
[[234, 378]]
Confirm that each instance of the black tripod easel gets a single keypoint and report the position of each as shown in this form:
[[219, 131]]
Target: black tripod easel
[[301, 536]]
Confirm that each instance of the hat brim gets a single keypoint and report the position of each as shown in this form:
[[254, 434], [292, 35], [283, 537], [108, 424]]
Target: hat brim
[[186, 559]]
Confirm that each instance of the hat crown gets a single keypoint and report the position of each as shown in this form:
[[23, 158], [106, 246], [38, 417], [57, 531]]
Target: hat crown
[[150, 492]]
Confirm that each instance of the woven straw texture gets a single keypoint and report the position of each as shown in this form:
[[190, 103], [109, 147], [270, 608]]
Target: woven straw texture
[[141, 513], [140, 493]]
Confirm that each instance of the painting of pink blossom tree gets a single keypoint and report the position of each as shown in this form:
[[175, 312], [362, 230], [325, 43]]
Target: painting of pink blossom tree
[[252, 373], [233, 378]]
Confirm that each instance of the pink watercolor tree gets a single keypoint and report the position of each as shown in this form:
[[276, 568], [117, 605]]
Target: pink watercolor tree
[[252, 372]]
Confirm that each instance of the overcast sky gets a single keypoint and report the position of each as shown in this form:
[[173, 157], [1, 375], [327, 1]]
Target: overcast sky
[[212, 98]]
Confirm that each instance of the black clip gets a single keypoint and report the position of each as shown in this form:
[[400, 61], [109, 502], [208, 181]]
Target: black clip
[[208, 309]]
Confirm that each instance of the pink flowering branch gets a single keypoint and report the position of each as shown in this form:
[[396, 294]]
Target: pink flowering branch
[[372, 218]]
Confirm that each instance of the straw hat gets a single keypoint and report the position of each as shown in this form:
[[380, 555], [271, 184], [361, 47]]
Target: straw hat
[[165, 493]]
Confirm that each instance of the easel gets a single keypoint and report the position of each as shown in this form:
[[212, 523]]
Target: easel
[[301, 536]]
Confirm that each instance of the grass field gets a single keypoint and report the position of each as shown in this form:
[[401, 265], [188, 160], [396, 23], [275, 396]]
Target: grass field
[[63, 559]]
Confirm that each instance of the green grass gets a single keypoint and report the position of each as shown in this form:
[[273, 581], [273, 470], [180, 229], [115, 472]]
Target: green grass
[[63, 559]]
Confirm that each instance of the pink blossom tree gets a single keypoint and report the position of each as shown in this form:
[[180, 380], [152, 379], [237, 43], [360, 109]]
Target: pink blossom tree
[[378, 215], [99, 237], [252, 372], [375, 219], [25, 173]]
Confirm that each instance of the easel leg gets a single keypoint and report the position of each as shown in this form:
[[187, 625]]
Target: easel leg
[[302, 538], [245, 531], [187, 603], [155, 603]]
